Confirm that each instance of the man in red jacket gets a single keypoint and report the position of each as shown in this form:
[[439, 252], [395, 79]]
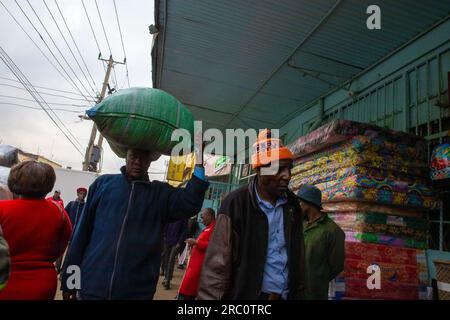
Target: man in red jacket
[[57, 198], [191, 280]]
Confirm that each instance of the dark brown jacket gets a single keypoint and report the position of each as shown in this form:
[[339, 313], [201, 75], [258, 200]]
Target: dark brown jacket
[[233, 268]]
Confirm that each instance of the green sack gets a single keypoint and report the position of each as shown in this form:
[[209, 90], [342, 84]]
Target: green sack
[[141, 118]]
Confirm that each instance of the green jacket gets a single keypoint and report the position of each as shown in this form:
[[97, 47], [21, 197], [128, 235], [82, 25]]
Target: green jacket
[[4, 261], [324, 256]]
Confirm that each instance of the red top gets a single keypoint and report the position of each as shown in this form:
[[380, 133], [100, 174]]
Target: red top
[[60, 201], [37, 232], [191, 280]]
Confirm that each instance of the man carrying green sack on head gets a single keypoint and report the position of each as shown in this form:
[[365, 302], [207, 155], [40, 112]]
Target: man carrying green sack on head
[[4, 261], [117, 243], [324, 244]]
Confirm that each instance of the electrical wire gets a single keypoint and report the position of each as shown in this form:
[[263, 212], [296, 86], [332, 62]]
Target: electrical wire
[[106, 37], [47, 88], [75, 43], [51, 103], [57, 48], [22, 78], [51, 52], [44, 93], [36, 108], [93, 33], [121, 39], [103, 26], [40, 50], [70, 49], [123, 83]]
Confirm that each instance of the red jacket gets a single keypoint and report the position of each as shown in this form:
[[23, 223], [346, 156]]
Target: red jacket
[[191, 280], [37, 232], [60, 201]]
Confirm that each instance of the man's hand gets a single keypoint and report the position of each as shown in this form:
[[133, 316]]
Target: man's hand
[[70, 295], [191, 242]]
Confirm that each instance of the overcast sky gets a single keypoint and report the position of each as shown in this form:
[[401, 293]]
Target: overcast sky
[[32, 130]]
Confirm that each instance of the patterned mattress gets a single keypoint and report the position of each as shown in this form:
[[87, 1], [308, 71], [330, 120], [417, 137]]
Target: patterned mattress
[[404, 242], [380, 223], [404, 274], [344, 130], [395, 181], [354, 206], [346, 156]]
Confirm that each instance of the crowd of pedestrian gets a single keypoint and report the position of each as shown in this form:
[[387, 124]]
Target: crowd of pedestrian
[[125, 232]]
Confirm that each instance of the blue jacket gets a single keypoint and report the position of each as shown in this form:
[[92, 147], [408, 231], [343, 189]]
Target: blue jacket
[[74, 210], [175, 233], [117, 242]]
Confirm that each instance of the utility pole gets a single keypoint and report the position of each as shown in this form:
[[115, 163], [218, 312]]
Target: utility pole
[[91, 148]]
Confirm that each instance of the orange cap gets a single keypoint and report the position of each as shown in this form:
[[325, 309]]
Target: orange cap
[[268, 149]]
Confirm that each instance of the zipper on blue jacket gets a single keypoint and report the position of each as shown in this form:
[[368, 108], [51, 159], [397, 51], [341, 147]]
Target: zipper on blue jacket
[[76, 215], [118, 242]]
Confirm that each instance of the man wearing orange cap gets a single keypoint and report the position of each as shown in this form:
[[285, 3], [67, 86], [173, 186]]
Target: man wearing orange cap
[[256, 251]]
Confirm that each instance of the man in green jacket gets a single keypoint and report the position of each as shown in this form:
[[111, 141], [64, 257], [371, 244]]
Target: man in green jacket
[[324, 245]]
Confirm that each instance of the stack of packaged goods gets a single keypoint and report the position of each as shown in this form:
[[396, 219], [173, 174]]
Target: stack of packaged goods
[[375, 185]]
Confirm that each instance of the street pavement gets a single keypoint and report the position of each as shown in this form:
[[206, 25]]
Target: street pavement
[[161, 293]]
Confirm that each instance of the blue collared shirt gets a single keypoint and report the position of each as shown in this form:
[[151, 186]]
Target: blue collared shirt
[[275, 278]]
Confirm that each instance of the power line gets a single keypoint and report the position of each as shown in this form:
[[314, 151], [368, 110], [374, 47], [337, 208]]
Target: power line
[[51, 89], [32, 91], [70, 49], [51, 52], [21, 77], [123, 83], [93, 33], [40, 50], [16, 71], [36, 108], [51, 103], [116, 83], [92, 29], [106, 37], [57, 48], [44, 93], [75, 43], [123, 45], [103, 26]]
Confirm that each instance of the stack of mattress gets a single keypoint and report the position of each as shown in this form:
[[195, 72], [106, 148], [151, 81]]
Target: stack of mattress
[[403, 272], [375, 185], [361, 170]]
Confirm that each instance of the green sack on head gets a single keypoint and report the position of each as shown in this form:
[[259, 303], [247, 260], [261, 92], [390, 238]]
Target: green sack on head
[[141, 118]]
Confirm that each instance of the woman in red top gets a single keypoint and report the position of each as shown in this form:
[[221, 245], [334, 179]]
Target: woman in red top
[[37, 232], [191, 280]]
